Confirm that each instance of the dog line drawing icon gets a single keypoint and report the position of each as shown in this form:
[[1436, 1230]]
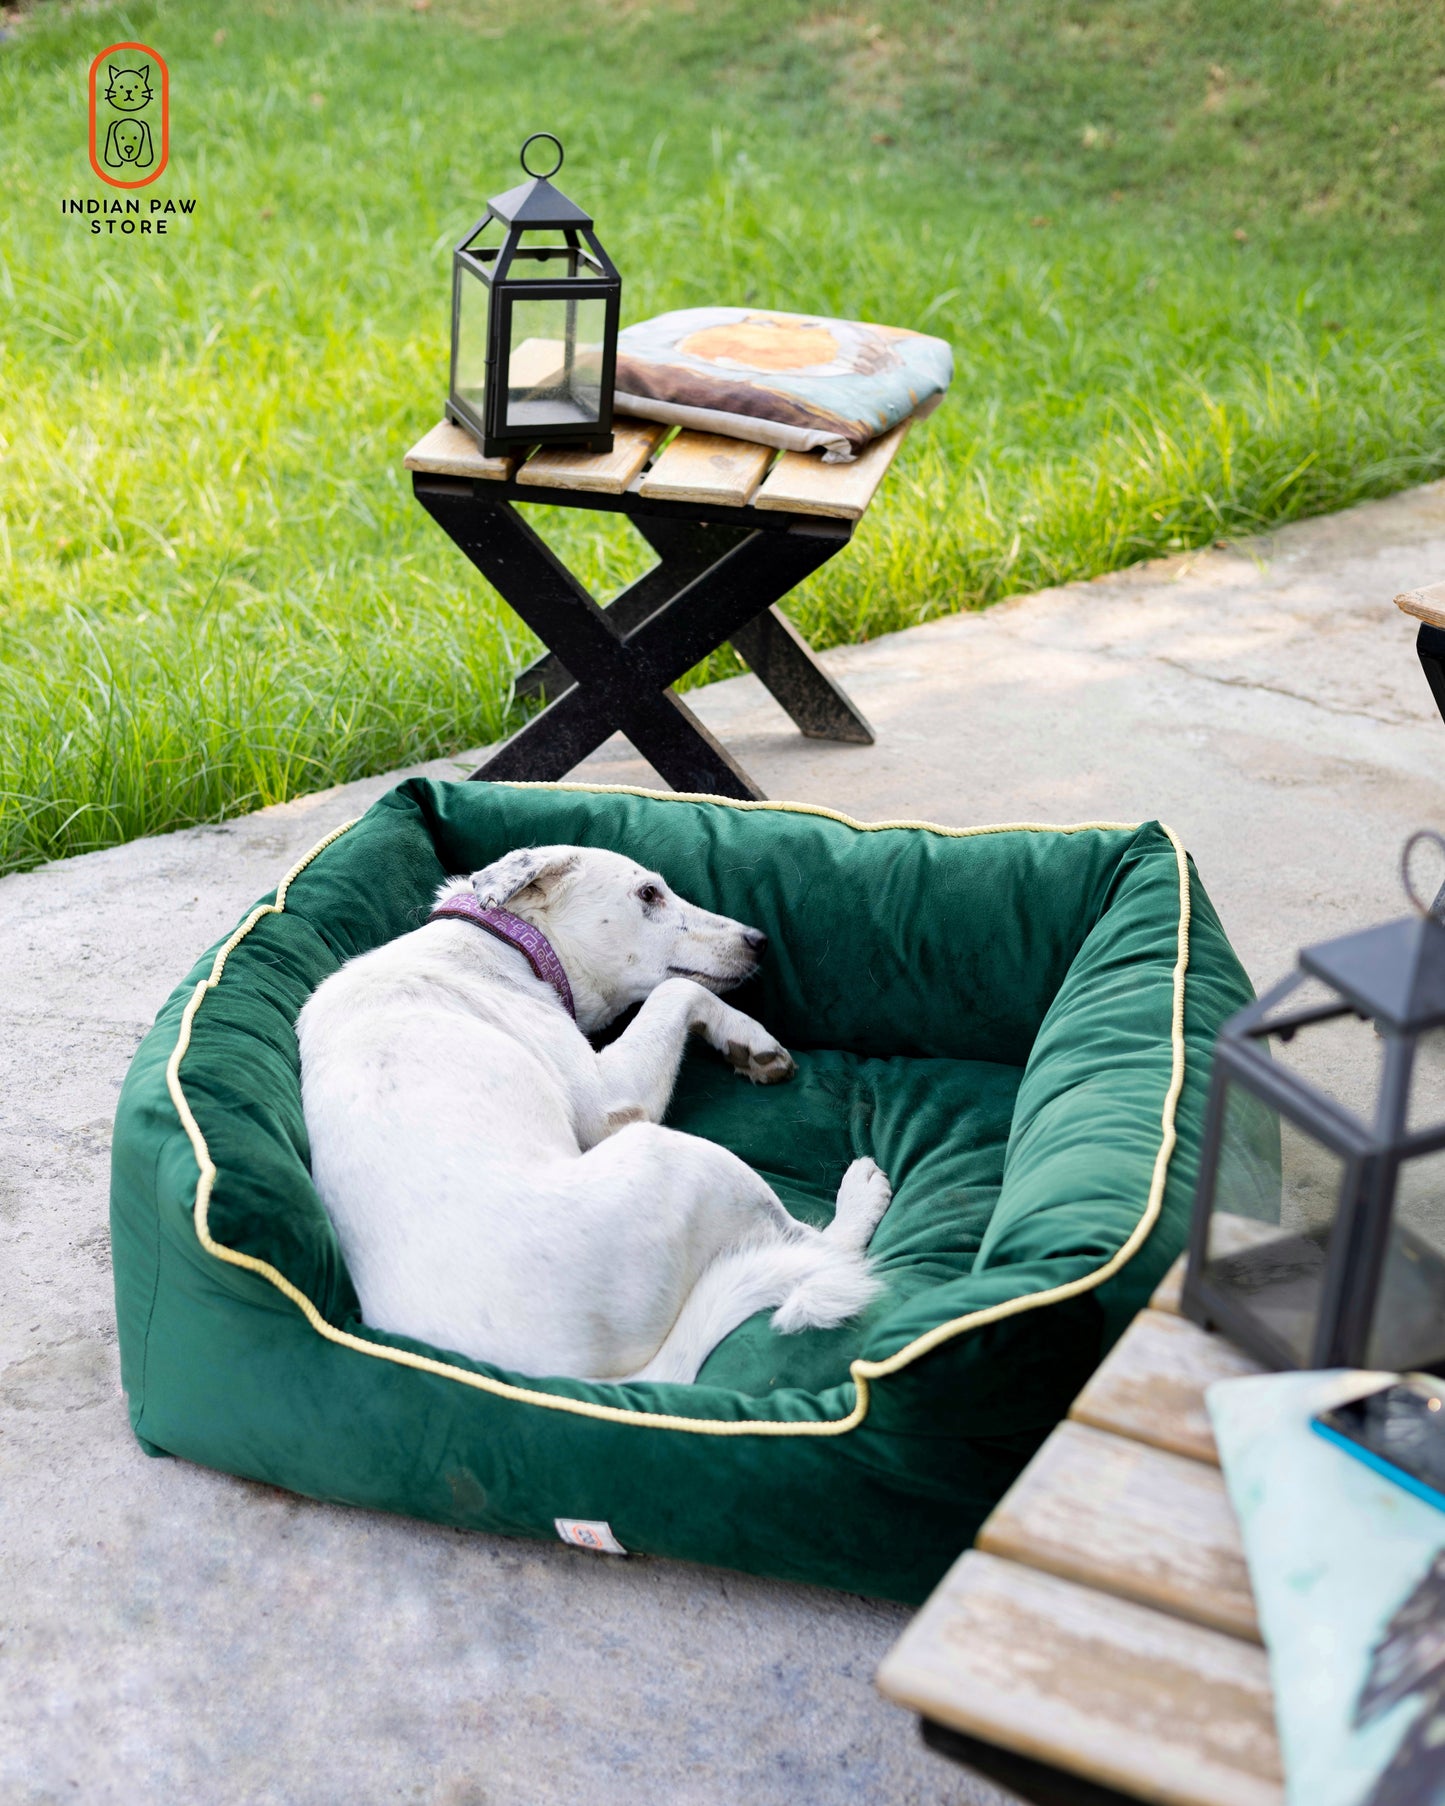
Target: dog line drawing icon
[[128, 142]]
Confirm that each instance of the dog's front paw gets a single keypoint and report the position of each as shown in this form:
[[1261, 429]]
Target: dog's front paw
[[769, 1063]]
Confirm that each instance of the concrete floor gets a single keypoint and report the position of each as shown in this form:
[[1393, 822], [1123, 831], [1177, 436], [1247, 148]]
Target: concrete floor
[[172, 1635]]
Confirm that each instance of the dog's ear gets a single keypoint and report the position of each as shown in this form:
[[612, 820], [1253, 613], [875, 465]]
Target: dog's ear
[[528, 868]]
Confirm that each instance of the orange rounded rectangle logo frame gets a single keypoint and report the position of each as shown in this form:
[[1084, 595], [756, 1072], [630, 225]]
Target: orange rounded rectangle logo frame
[[139, 126]]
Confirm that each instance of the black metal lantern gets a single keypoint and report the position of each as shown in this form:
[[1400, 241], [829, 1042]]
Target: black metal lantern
[[1318, 1237], [535, 303]]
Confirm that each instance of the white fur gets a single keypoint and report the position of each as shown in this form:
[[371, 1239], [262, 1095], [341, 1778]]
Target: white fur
[[501, 1188]]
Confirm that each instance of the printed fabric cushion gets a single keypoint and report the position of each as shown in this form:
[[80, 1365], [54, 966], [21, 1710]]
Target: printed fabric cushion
[[792, 380]]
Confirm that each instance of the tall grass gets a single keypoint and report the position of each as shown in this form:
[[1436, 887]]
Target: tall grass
[[215, 588]]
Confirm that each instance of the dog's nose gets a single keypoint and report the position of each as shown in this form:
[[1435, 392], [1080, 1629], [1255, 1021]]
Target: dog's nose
[[757, 940]]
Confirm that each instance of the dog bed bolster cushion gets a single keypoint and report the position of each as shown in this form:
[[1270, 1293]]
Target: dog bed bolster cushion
[[1016, 1023]]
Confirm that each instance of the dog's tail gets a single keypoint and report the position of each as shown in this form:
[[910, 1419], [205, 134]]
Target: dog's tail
[[813, 1284]]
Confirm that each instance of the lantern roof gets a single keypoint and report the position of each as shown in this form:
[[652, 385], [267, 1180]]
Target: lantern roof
[[1394, 973], [537, 204]]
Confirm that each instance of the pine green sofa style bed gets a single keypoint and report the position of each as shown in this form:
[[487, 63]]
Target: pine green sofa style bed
[[1015, 1022]]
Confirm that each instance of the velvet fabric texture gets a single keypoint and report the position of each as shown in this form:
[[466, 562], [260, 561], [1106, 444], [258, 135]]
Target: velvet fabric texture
[[999, 1017]]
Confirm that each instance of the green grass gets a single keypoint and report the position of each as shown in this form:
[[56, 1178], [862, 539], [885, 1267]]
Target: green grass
[[1187, 252]]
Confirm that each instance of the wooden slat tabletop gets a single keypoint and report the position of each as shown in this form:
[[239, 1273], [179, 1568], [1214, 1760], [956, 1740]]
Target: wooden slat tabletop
[[1426, 604], [707, 469], [1160, 1708], [1151, 1388], [1132, 1520], [802, 483], [1105, 1622]]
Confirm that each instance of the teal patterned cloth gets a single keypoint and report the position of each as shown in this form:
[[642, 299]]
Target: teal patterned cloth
[[1349, 1577], [798, 381]]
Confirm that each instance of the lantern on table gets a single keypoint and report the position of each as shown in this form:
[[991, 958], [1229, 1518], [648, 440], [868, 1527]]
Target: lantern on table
[[535, 303], [1318, 1237]]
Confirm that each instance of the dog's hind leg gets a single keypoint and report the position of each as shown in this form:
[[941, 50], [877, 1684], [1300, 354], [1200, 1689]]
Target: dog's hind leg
[[863, 1197], [682, 1240], [639, 1069], [839, 1282], [811, 1278]]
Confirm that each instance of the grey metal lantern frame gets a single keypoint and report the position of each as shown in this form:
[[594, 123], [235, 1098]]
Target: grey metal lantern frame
[[1393, 975], [533, 206]]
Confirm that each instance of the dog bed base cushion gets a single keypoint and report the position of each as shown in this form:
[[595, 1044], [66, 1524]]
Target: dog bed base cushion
[[1015, 1022]]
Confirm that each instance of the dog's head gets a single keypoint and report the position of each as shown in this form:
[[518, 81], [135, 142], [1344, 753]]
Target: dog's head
[[618, 928]]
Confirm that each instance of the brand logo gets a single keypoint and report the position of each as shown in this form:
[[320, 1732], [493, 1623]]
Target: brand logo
[[589, 1533], [130, 115]]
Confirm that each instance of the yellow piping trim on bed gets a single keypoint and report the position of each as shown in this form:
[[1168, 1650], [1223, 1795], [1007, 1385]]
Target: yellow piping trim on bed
[[863, 1372]]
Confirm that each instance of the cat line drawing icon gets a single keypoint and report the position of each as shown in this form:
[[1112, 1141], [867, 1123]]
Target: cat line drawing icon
[[130, 115], [130, 89]]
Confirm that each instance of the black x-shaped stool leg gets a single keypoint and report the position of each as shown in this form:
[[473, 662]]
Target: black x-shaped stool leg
[[612, 670], [1430, 645]]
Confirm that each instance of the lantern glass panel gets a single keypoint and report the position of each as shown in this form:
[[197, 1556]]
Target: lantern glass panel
[[1276, 1199], [554, 372], [1408, 1330], [548, 257], [1341, 1057], [487, 240], [474, 299], [1427, 1083]]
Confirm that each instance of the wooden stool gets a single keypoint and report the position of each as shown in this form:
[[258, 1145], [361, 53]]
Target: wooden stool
[[1427, 606], [1099, 1644], [733, 536]]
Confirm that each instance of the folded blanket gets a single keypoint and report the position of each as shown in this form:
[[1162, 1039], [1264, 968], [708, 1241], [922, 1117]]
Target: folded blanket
[[792, 380], [1348, 1571]]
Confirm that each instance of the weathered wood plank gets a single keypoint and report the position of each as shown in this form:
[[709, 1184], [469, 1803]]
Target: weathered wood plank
[[801, 483], [603, 473], [1151, 1387], [707, 469], [1161, 1709], [1121, 1516], [451, 451], [1169, 1292], [1426, 604]]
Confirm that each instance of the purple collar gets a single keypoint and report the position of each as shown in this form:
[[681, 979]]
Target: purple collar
[[541, 954]]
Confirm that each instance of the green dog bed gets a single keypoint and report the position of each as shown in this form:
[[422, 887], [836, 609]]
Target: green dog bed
[[1014, 1022]]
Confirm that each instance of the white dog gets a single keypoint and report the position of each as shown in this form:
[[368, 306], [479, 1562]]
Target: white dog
[[501, 1188]]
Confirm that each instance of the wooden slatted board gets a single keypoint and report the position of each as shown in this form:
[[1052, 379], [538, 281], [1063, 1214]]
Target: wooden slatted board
[[708, 470], [702, 468], [802, 483], [1426, 604], [1133, 1698], [1151, 1388], [603, 473], [1132, 1520], [451, 451], [1105, 1622]]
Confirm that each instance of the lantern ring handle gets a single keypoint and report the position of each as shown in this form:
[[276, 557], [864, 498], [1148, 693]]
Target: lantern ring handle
[[1425, 909], [551, 138]]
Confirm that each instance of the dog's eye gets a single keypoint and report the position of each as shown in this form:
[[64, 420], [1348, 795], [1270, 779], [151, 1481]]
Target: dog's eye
[[649, 894]]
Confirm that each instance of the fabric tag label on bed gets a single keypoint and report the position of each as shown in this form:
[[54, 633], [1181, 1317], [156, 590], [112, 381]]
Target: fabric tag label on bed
[[587, 1533]]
